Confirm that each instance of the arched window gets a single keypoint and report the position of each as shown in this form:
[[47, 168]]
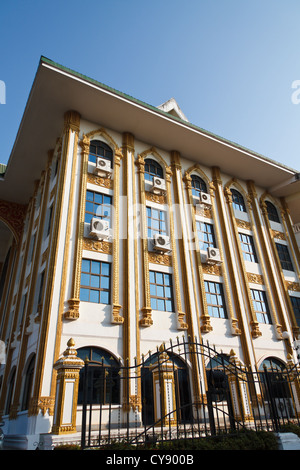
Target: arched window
[[198, 185], [272, 364], [272, 212], [103, 379], [28, 384], [238, 202], [152, 169], [100, 149], [217, 380]]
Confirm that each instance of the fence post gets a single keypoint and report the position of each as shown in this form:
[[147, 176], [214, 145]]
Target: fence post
[[164, 388], [68, 367], [239, 390]]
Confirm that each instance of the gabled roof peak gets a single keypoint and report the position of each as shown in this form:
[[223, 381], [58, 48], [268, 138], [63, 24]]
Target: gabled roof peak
[[171, 106]]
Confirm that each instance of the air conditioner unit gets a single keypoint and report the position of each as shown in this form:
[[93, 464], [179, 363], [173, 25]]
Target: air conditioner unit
[[99, 228], [158, 185], [204, 198], [161, 243], [103, 167], [213, 256]]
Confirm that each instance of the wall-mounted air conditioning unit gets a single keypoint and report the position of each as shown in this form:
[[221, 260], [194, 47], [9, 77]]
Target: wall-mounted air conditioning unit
[[99, 228], [103, 167], [158, 185], [204, 198], [161, 243], [213, 256]]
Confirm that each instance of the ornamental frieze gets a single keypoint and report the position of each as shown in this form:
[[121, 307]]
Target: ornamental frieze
[[99, 181], [160, 259], [97, 245], [13, 215]]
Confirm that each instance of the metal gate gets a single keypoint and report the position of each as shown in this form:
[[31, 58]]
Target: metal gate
[[185, 390]]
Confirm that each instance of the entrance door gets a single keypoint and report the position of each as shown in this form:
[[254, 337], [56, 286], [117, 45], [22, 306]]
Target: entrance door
[[182, 390]]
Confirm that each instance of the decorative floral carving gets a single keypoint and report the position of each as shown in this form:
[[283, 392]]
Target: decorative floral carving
[[97, 245], [159, 199], [160, 259], [99, 181]]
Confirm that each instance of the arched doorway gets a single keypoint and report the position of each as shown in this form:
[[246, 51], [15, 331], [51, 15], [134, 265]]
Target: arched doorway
[[179, 371], [277, 389], [103, 380]]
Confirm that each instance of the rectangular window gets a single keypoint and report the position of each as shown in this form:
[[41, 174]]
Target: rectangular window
[[296, 307], [98, 205], [260, 305], [284, 256], [215, 299], [95, 281], [248, 247], [161, 291], [206, 235], [156, 222]]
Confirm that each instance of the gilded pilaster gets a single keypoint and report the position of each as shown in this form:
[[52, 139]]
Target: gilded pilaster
[[234, 281], [72, 122]]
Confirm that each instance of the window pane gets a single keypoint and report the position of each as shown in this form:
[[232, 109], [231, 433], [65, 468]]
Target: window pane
[[94, 296], [85, 265], [105, 271], [104, 297], [84, 295], [85, 279], [95, 267]]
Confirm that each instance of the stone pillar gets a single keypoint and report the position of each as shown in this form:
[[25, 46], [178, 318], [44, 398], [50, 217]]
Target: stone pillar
[[68, 367], [239, 391], [164, 391]]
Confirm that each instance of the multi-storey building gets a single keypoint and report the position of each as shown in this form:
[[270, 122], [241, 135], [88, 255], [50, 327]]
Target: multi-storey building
[[124, 226]]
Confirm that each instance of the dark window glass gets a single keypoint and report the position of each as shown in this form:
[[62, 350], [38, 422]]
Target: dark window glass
[[152, 168], [198, 185], [100, 149], [284, 257], [260, 306], [238, 202], [103, 379], [272, 212]]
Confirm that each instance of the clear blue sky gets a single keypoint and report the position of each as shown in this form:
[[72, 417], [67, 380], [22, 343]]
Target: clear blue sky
[[230, 64]]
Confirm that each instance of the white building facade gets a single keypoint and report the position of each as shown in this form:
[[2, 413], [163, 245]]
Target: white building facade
[[124, 226]]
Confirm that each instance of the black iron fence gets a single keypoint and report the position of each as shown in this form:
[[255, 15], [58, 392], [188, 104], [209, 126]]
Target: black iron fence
[[185, 390]]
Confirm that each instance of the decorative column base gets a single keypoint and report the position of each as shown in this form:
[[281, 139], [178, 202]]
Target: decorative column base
[[68, 368], [73, 312]]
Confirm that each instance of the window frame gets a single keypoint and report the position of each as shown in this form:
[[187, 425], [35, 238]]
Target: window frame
[[107, 152], [197, 180], [88, 215], [284, 257], [250, 253], [238, 202], [93, 276], [206, 238], [261, 300], [272, 212], [158, 169], [162, 223], [167, 301], [218, 309]]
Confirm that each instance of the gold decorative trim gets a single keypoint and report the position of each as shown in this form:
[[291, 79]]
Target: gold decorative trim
[[255, 278], [165, 260], [212, 269], [158, 198], [97, 245], [243, 224], [292, 286], [278, 235], [100, 181]]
